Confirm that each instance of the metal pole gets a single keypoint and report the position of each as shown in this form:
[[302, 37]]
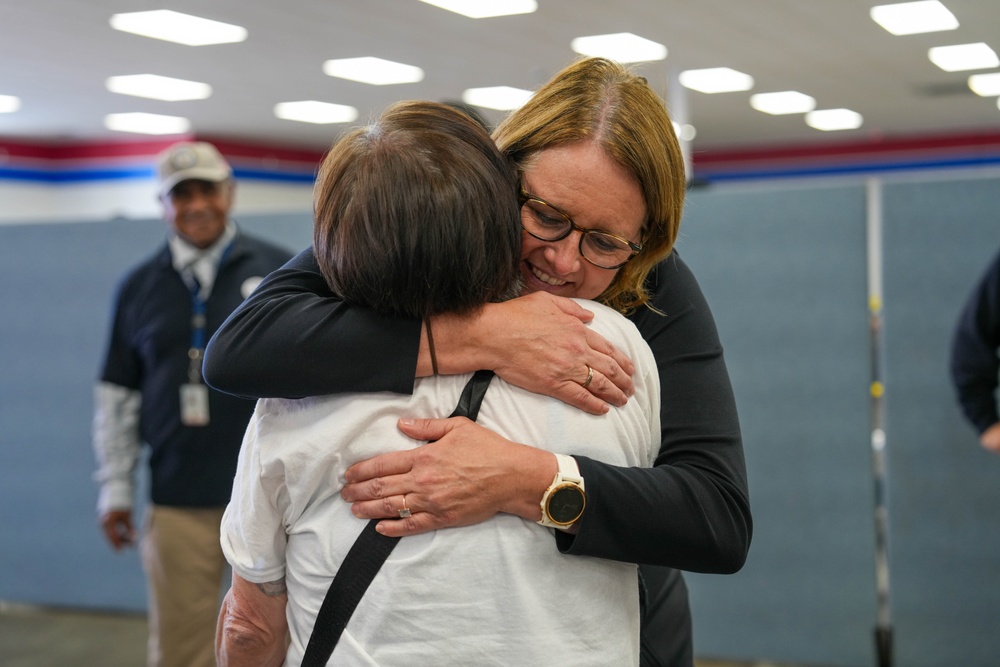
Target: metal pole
[[883, 625], [677, 105]]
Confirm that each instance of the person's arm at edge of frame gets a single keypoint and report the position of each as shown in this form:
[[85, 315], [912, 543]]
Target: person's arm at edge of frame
[[252, 628], [691, 511], [293, 337], [974, 363]]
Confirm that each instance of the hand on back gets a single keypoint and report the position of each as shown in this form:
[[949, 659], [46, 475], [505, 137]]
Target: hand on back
[[541, 343]]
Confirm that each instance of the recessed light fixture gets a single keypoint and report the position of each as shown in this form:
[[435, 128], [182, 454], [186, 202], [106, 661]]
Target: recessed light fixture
[[484, 9], [375, 71], [716, 80], [503, 98], [834, 119], [176, 27], [911, 18], [156, 87], [9, 103], [962, 57], [622, 46], [986, 85], [146, 123], [784, 102], [320, 113]]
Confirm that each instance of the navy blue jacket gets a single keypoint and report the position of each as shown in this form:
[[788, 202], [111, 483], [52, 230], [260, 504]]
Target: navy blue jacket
[[148, 352]]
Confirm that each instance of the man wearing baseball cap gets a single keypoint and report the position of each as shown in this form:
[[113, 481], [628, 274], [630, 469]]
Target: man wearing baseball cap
[[151, 392]]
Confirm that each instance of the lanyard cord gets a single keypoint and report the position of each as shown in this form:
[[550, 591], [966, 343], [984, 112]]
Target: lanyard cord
[[199, 309]]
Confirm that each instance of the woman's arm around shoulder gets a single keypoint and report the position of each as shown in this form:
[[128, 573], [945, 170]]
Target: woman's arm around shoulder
[[293, 337]]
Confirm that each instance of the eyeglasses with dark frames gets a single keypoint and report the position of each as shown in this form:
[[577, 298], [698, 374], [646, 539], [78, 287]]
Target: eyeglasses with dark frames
[[547, 223]]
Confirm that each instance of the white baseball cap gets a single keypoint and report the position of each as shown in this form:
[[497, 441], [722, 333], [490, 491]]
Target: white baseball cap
[[192, 160]]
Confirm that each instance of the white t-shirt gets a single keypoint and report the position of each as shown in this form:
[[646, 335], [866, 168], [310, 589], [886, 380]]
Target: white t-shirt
[[496, 593]]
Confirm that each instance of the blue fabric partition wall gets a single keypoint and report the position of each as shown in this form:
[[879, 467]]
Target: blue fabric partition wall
[[56, 286], [785, 271], [945, 489], [784, 267]]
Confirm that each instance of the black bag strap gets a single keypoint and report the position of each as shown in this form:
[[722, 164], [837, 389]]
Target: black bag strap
[[367, 554]]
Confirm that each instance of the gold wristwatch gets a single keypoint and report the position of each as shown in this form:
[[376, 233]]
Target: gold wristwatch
[[564, 500]]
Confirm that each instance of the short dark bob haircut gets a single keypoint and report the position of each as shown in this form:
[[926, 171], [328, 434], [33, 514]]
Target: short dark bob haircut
[[417, 214]]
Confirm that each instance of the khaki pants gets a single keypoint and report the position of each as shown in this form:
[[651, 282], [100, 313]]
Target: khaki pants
[[184, 571]]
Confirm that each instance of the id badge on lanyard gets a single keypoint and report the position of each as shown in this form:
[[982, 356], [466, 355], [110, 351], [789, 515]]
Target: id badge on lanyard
[[194, 393], [194, 404]]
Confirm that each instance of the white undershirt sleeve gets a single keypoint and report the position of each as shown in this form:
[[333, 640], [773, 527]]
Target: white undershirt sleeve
[[116, 444]]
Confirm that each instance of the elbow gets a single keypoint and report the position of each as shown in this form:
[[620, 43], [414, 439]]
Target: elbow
[[245, 636], [218, 374], [732, 559], [237, 642], [739, 549], [729, 548], [726, 557]]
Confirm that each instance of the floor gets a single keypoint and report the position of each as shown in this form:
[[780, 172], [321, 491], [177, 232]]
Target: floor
[[34, 637]]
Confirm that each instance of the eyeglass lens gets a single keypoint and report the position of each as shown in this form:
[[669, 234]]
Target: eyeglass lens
[[549, 224]]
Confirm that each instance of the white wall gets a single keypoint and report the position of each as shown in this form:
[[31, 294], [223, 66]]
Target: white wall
[[30, 202]]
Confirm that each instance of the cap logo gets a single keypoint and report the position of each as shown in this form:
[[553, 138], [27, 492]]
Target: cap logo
[[184, 158]]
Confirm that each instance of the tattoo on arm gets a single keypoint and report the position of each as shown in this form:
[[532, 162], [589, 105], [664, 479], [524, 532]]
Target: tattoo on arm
[[273, 589]]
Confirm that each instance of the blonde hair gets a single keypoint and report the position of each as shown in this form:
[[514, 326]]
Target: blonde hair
[[595, 99]]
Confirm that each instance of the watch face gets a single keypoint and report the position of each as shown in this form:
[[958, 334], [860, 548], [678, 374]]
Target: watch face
[[566, 504]]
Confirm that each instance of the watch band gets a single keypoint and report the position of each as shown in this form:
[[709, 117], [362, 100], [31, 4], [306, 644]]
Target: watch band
[[567, 493]]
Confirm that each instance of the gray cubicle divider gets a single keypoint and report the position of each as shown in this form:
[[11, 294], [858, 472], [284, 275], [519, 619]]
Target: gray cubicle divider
[[784, 272], [56, 285], [944, 488]]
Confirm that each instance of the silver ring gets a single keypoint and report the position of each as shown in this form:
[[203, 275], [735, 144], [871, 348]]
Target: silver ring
[[405, 512], [590, 377]]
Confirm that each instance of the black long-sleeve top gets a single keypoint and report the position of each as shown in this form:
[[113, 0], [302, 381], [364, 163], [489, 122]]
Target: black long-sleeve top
[[294, 338], [974, 361]]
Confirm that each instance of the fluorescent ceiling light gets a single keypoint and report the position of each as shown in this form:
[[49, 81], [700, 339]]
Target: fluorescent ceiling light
[[716, 80], [963, 57], [503, 98], [910, 18], [9, 103], [484, 9], [146, 123], [311, 111], [375, 71], [623, 47], [834, 119], [158, 87], [176, 27], [987, 85], [785, 102]]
